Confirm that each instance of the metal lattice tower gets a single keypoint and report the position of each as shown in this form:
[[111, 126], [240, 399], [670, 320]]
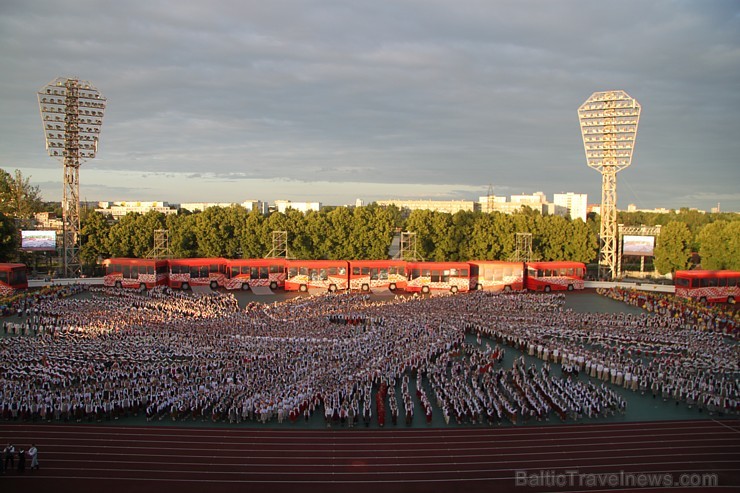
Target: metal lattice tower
[[279, 245], [72, 115], [161, 244], [523, 251], [408, 247], [609, 127]]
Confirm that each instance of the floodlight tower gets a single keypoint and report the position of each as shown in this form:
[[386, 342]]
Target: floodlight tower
[[609, 127], [72, 114]]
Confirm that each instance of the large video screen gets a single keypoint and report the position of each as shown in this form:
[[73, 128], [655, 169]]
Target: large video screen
[[641, 246], [38, 241]]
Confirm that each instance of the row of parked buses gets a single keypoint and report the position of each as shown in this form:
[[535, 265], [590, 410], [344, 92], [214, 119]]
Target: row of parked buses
[[340, 275], [715, 286]]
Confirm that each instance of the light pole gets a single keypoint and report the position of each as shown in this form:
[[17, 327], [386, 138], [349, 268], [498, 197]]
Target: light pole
[[72, 115]]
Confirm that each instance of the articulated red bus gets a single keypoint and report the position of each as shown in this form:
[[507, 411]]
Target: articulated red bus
[[245, 273], [554, 276], [302, 275], [437, 276], [714, 286], [365, 275], [12, 278], [187, 272], [496, 275], [139, 273]]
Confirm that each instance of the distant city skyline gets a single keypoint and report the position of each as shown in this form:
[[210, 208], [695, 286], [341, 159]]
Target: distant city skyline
[[332, 101]]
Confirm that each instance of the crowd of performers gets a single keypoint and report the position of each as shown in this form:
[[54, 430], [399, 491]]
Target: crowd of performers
[[168, 355]]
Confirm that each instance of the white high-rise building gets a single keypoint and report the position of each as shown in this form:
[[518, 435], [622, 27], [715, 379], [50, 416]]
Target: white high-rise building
[[284, 205], [575, 203]]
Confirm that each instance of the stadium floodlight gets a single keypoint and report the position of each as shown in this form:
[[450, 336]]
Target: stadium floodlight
[[609, 127], [72, 115]]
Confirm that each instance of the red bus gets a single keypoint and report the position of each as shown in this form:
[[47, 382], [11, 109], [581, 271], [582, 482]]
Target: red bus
[[365, 275], [555, 276], [12, 278], [142, 273], [303, 275], [496, 275], [437, 276], [245, 273], [187, 272], [714, 286]]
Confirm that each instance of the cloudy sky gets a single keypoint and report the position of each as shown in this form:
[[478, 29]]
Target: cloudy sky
[[331, 100]]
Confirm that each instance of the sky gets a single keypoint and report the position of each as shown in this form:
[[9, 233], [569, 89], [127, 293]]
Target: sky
[[334, 100]]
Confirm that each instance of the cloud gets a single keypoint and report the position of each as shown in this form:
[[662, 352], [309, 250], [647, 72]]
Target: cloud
[[396, 92]]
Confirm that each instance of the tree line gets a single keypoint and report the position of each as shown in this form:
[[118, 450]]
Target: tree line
[[367, 233]]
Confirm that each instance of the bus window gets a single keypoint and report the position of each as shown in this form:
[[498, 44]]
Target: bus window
[[214, 267], [276, 269], [323, 275], [264, 273], [435, 276], [194, 272], [681, 282], [254, 273], [150, 269], [292, 271], [21, 276], [303, 271], [126, 271], [332, 271], [204, 271], [355, 271], [415, 273], [342, 271], [4, 277]]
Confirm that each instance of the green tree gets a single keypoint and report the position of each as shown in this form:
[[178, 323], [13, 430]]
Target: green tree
[[8, 238], [673, 248], [334, 232], [720, 245], [254, 242], [18, 198], [219, 231], [94, 233], [121, 236], [463, 223], [582, 244], [183, 240], [371, 233]]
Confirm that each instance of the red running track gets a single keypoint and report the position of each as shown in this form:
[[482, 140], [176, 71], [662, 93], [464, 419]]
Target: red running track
[[584, 457]]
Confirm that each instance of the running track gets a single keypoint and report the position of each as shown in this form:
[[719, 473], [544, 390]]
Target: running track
[[81, 458]]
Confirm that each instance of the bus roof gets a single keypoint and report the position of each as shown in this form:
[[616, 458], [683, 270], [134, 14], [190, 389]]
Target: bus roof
[[134, 261], [555, 264], [378, 262], [699, 273], [197, 261], [12, 266]]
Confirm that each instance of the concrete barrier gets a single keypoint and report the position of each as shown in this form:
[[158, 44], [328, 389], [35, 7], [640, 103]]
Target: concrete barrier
[[42, 283], [640, 286]]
